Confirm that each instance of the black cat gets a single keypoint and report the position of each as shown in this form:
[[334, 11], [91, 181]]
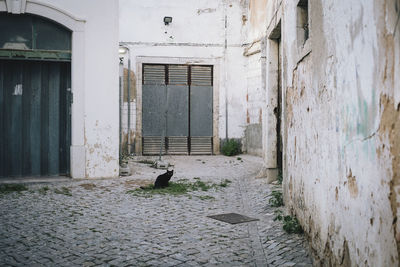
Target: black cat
[[163, 179]]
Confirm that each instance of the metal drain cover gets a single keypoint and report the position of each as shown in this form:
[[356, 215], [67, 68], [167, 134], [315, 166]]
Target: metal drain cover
[[232, 218]]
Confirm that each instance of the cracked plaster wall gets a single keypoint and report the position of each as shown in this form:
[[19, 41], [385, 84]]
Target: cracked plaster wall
[[341, 109]]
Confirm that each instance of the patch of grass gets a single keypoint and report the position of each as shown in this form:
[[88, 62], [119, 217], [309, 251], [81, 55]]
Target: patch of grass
[[278, 215], [200, 185], [239, 158], [225, 183], [231, 147], [276, 199], [63, 191], [179, 187], [9, 188], [206, 197], [44, 190], [290, 224]]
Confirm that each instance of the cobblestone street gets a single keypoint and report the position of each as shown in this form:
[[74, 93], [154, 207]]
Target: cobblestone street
[[97, 222]]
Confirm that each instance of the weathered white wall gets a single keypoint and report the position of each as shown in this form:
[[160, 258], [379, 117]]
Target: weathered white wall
[[255, 21], [197, 32], [341, 109], [94, 79], [99, 66]]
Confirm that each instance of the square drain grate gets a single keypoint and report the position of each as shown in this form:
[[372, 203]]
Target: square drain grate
[[232, 218]]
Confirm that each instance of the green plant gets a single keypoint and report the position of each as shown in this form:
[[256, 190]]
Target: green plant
[[231, 147], [44, 190], [276, 199], [290, 223], [179, 187], [239, 158], [278, 215], [280, 177], [225, 183], [9, 188], [206, 197], [63, 191]]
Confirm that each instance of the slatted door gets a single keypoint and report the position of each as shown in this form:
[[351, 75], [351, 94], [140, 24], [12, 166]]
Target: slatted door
[[154, 108], [177, 109], [35, 122], [201, 110]]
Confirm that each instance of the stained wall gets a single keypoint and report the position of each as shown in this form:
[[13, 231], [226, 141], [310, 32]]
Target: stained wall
[[341, 128]]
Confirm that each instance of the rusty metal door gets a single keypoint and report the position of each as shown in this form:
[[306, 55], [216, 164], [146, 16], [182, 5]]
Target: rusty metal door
[[35, 121]]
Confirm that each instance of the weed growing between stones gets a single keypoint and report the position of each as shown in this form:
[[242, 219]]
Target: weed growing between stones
[[231, 147], [179, 187], [290, 224], [206, 197], [225, 183], [63, 191], [44, 190], [280, 177], [9, 188], [276, 199]]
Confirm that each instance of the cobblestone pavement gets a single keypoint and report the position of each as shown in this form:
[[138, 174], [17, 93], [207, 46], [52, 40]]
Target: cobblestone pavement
[[96, 222]]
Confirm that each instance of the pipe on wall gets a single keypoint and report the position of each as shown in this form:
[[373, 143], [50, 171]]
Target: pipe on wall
[[126, 48]]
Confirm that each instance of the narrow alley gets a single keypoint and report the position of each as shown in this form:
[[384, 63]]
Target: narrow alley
[[302, 97]]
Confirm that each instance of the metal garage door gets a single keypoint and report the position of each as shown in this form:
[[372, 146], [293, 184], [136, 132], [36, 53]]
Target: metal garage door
[[177, 109], [201, 106], [34, 118]]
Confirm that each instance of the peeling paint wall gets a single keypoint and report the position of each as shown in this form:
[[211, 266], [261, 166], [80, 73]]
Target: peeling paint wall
[[341, 128]]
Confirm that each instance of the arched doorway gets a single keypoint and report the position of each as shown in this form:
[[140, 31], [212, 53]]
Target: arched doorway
[[35, 96]]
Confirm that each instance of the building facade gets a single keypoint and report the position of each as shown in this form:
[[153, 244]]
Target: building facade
[[202, 33], [59, 70]]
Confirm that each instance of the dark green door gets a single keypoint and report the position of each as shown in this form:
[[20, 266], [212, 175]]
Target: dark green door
[[35, 122]]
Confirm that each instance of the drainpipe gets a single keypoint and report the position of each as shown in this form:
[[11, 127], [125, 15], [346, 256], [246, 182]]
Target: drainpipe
[[120, 116], [129, 101], [226, 71], [124, 49]]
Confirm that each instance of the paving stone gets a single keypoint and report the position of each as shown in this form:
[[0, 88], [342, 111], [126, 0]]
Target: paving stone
[[105, 226]]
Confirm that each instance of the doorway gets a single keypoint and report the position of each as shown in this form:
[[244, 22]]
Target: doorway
[[177, 109], [35, 96]]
